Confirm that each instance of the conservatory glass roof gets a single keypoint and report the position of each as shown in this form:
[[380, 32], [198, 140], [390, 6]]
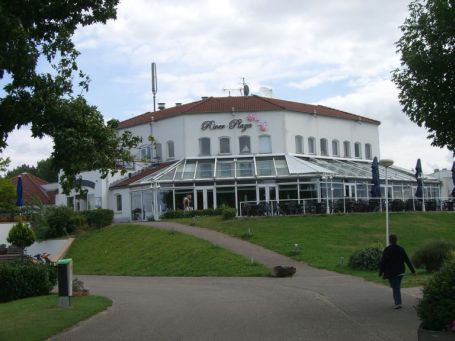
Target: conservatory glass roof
[[273, 166]]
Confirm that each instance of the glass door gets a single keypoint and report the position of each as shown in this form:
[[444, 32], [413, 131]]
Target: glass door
[[267, 193], [349, 191], [203, 198]]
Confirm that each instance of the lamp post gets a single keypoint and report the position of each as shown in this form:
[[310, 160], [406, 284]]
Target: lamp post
[[326, 194], [386, 163]]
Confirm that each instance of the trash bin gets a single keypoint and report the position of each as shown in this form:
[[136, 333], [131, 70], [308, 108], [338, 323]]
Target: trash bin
[[65, 281]]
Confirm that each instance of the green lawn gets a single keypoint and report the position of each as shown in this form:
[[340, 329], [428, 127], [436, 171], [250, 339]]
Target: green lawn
[[328, 241], [135, 250], [38, 318]]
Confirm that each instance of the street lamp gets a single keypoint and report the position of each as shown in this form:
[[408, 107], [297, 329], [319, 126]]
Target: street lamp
[[386, 163], [326, 194]]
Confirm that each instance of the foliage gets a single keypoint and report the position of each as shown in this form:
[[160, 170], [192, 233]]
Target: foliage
[[7, 194], [229, 213], [21, 235], [98, 218], [176, 214], [426, 79], [432, 254], [62, 220], [4, 163], [436, 309], [39, 318], [42, 31], [25, 280], [138, 250], [366, 259], [45, 169]]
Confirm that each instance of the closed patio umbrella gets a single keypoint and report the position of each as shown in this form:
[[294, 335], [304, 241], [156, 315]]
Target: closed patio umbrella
[[375, 188], [19, 198], [418, 176], [453, 179]]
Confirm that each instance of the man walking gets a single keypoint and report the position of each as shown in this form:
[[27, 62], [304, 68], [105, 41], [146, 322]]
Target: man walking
[[392, 267]]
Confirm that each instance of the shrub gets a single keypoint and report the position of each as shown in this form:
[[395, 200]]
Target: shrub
[[229, 213], [21, 235], [99, 218], [366, 259], [436, 309], [432, 254], [62, 220], [20, 280]]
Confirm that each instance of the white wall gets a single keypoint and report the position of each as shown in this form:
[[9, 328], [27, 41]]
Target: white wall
[[125, 213], [331, 128]]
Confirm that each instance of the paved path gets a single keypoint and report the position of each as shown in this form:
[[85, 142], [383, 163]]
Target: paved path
[[313, 305]]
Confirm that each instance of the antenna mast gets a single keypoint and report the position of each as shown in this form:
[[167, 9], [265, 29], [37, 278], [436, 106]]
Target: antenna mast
[[154, 85]]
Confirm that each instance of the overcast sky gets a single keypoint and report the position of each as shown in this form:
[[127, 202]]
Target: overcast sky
[[335, 53]]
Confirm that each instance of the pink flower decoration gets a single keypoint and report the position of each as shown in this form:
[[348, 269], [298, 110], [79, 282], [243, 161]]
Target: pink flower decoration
[[251, 117], [453, 326]]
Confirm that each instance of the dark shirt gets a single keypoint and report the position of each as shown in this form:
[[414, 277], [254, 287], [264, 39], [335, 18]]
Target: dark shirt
[[392, 262]]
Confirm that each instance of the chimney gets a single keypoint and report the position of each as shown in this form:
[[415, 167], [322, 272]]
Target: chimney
[[161, 106], [204, 97], [178, 104]]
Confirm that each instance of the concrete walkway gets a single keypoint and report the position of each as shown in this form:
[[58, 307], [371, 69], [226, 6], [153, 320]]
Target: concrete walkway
[[313, 305]]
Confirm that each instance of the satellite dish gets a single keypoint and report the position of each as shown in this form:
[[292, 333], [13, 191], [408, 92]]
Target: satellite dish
[[266, 92], [246, 90]]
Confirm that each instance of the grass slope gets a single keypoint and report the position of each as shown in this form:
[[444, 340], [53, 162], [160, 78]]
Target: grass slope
[[134, 250], [323, 240], [38, 318]]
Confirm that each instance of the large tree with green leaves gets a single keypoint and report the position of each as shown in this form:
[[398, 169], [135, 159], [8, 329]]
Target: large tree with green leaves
[[35, 37], [426, 79]]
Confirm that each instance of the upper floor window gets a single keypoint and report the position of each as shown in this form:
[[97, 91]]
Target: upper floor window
[[368, 154], [299, 144], [358, 150], [158, 151], [204, 146], [265, 144], [335, 148], [324, 147], [225, 145], [245, 145], [311, 145], [347, 148], [170, 150]]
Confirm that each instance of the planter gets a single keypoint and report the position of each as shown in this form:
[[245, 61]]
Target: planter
[[431, 335]]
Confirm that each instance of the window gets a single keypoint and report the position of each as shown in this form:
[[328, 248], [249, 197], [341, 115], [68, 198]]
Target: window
[[245, 145], [204, 169], [299, 144], [335, 148], [265, 167], [225, 169], [265, 144], [204, 146], [225, 146], [368, 153], [324, 147], [118, 201], [347, 148], [358, 150], [170, 150], [311, 145], [245, 168], [158, 151]]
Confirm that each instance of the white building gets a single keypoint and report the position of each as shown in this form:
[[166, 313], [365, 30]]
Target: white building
[[237, 151]]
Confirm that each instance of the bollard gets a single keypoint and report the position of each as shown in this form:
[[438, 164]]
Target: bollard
[[65, 281]]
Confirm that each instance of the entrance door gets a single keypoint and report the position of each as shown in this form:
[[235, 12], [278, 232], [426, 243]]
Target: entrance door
[[349, 191], [203, 198], [267, 193]]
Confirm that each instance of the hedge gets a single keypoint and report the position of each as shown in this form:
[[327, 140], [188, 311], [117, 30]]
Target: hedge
[[98, 218]]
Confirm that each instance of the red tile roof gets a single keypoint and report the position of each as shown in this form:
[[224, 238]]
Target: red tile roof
[[33, 191], [139, 175], [241, 104]]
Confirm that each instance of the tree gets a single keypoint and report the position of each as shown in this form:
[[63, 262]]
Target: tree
[[7, 195], [46, 170], [41, 30], [19, 170], [426, 79]]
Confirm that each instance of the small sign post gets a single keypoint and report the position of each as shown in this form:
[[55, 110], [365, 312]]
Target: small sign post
[[65, 281]]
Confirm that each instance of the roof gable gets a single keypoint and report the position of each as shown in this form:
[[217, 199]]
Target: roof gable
[[32, 189]]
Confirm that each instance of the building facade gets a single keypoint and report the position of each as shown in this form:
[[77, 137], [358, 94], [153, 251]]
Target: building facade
[[245, 152]]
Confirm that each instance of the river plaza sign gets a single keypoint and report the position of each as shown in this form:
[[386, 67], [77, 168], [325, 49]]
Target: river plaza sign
[[233, 124]]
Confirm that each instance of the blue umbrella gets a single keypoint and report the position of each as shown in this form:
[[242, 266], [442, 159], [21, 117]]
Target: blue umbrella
[[453, 179], [418, 176], [19, 200], [375, 188]]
